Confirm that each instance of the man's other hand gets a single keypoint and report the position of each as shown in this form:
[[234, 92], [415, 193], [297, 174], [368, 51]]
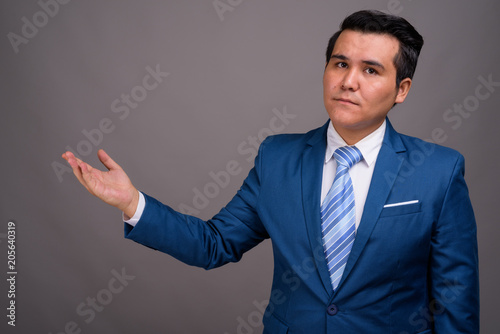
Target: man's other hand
[[112, 187]]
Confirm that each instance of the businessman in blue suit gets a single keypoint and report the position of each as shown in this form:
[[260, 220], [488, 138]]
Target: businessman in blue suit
[[405, 260]]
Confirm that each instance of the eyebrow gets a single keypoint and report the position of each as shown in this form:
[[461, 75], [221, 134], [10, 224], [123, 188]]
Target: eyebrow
[[367, 62]]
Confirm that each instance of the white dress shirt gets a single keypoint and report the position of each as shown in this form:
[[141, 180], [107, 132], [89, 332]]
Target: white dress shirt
[[361, 173], [138, 212]]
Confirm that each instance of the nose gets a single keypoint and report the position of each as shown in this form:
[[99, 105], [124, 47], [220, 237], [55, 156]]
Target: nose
[[350, 80]]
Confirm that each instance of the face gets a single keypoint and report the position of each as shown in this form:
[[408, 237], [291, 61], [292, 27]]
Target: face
[[359, 83]]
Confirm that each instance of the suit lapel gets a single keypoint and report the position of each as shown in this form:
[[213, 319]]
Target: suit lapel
[[386, 168], [313, 159]]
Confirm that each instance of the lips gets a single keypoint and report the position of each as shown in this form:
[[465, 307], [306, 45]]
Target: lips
[[345, 101]]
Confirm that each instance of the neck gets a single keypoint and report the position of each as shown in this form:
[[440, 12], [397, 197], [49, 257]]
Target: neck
[[353, 136]]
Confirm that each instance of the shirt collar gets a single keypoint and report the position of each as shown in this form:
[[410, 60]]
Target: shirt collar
[[369, 146]]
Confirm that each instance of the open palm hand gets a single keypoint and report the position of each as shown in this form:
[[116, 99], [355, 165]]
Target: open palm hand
[[113, 186]]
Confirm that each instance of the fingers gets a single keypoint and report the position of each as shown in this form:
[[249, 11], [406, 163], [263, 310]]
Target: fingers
[[86, 177], [73, 162], [107, 161], [71, 159], [80, 168]]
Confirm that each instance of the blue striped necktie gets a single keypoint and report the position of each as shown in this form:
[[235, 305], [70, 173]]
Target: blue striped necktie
[[338, 214]]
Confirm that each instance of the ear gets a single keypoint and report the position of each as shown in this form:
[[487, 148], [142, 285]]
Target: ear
[[404, 88]]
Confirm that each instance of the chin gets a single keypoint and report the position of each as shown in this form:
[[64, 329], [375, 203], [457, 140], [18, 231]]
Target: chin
[[345, 118]]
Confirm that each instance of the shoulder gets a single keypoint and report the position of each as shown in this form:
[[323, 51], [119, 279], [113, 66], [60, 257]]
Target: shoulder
[[293, 142], [431, 159], [418, 147]]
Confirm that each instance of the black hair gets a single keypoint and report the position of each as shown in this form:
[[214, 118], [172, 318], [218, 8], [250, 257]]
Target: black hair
[[377, 22]]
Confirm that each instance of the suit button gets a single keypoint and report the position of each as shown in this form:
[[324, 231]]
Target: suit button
[[332, 309]]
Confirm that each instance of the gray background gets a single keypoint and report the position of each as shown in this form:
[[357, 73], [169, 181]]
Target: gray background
[[227, 74]]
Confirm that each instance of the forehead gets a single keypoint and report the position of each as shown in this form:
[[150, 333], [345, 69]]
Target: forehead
[[361, 46]]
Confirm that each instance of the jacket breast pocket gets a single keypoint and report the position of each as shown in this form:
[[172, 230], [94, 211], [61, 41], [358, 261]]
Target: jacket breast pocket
[[398, 210]]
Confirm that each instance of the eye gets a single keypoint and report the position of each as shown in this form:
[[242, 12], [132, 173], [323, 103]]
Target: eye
[[341, 64], [370, 70]]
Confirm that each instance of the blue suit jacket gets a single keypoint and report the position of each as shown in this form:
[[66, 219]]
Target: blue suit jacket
[[412, 269]]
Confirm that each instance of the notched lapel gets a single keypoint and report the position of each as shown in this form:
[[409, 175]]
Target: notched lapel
[[387, 165], [313, 159]]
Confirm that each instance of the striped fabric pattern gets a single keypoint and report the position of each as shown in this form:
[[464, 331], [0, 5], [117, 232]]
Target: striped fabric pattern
[[338, 214]]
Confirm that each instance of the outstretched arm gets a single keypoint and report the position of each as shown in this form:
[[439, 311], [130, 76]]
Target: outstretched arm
[[113, 186]]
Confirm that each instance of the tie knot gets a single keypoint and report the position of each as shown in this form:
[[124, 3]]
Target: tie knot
[[348, 156]]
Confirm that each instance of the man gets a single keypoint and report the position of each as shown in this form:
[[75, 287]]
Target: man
[[364, 241]]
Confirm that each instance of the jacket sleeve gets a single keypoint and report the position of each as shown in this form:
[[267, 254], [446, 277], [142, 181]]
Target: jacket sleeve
[[207, 244], [453, 272]]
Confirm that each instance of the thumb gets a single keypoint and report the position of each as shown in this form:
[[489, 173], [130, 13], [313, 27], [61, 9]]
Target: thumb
[[107, 161]]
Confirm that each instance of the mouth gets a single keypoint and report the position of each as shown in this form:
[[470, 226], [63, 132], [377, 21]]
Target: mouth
[[346, 101]]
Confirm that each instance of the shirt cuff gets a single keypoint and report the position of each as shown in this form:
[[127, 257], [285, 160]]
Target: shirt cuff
[[138, 212]]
